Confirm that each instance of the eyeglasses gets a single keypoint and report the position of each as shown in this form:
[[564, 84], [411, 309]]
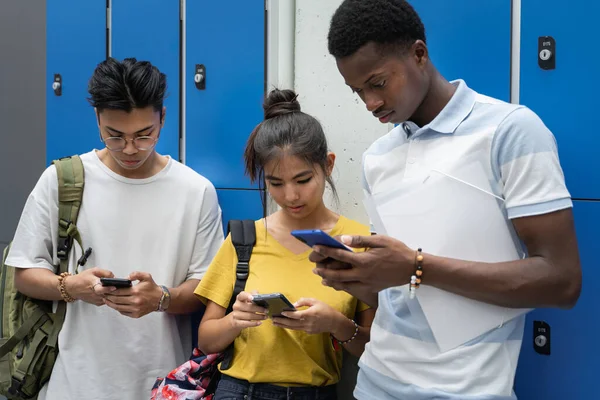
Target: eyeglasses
[[119, 143]]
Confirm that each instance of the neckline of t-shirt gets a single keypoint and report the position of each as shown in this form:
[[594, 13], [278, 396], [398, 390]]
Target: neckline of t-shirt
[[130, 181], [336, 230]]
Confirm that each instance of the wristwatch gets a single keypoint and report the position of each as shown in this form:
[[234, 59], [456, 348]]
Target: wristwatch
[[165, 299]]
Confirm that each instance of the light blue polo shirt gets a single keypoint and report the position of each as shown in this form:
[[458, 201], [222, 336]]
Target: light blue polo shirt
[[519, 156]]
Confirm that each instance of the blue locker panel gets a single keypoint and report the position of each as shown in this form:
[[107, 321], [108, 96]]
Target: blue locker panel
[[227, 37], [470, 40], [239, 204], [570, 371], [149, 30], [76, 43], [565, 98]]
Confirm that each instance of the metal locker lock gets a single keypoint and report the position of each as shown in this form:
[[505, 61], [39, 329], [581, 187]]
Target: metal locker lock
[[540, 340], [200, 77], [546, 52], [57, 85], [545, 55], [541, 337]]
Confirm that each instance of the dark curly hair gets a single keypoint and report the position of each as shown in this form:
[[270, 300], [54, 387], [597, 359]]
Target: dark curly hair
[[385, 22]]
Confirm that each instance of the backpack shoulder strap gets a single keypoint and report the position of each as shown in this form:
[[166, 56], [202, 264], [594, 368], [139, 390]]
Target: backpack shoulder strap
[[243, 237], [71, 180], [70, 193]]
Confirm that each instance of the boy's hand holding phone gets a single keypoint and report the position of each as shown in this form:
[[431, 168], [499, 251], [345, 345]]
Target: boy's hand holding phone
[[86, 285], [138, 300]]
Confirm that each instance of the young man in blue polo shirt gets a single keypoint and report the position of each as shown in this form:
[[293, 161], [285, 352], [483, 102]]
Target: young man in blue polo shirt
[[381, 52]]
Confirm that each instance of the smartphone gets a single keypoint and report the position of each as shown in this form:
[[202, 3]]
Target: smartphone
[[119, 283], [312, 237], [275, 303]]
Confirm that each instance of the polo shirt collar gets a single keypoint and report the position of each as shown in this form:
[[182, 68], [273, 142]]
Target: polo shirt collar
[[454, 113]]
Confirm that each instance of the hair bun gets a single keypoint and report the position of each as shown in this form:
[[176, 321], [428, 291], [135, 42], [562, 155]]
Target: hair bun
[[280, 102]]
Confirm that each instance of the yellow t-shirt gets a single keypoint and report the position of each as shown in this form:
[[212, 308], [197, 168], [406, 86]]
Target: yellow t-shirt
[[269, 354]]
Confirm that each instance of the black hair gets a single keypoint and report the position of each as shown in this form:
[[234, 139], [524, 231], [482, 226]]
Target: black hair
[[125, 85], [389, 23], [285, 130]]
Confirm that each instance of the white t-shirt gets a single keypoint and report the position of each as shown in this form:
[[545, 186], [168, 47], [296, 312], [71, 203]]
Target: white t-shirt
[[168, 225]]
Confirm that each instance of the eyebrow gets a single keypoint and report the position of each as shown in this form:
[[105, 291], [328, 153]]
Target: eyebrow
[[375, 75], [301, 174], [135, 133]]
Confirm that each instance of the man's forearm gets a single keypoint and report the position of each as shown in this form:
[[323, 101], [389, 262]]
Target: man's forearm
[[183, 299], [527, 283], [37, 283]]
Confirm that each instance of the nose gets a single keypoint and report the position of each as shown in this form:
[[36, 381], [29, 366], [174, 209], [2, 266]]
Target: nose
[[291, 194], [129, 147], [373, 102]]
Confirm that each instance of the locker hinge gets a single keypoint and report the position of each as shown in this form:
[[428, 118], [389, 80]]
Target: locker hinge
[[266, 5], [108, 16]]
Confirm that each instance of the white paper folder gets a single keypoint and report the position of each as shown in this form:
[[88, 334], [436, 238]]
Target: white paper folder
[[450, 213]]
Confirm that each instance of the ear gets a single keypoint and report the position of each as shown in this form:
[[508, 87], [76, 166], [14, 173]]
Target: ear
[[420, 53], [97, 117], [330, 163], [164, 115]]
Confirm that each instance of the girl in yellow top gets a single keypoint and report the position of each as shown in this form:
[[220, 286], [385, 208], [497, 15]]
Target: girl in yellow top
[[299, 354]]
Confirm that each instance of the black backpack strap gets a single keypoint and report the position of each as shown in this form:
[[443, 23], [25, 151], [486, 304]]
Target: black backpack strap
[[243, 237]]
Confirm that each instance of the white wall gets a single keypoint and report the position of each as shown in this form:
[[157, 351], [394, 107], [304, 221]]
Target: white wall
[[349, 127]]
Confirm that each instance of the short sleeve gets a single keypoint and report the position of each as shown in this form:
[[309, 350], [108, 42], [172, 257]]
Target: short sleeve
[[525, 160], [33, 246], [209, 235], [217, 284]]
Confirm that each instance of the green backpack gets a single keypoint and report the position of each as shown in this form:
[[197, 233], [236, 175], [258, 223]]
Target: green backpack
[[28, 327]]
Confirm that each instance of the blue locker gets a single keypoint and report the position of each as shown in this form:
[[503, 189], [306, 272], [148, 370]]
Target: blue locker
[[149, 30], [239, 204], [470, 40], [570, 371], [227, 38], [565, 97], [76, 43]]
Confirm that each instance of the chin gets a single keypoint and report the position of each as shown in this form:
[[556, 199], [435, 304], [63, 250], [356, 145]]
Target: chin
[[131, 167]]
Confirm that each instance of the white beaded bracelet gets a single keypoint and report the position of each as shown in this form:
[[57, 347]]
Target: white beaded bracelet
[[353, 336]]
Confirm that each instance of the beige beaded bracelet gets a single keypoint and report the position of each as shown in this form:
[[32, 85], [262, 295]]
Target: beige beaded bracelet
[[63, 290]]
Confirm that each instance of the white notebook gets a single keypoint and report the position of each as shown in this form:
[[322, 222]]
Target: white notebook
[[453, 214]]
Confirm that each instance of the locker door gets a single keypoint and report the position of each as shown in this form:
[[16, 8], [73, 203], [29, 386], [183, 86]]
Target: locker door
[[149, 30], [76, 43], [239, 204], [565, 98], [228, 39], [470, 40], [570, 371]]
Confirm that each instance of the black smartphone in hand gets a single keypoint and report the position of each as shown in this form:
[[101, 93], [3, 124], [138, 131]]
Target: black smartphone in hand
[[275, 303], [119, 283]]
